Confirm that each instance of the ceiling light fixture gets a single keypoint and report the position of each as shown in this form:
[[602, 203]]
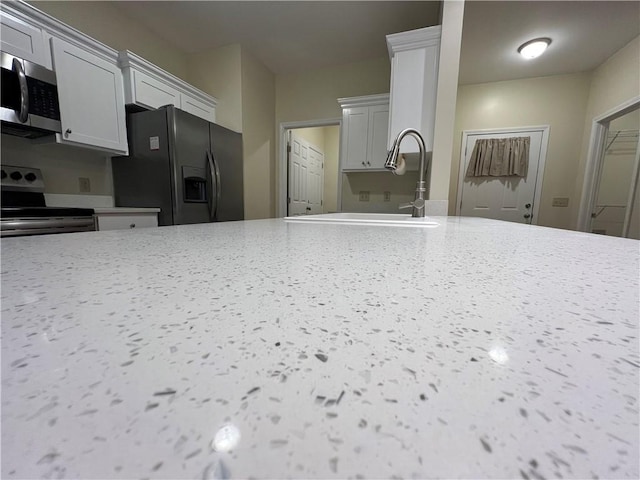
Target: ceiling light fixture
[[534, 48]]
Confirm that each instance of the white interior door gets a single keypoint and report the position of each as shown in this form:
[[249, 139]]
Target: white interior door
[[502, 198], [315, 180], [298, 176]]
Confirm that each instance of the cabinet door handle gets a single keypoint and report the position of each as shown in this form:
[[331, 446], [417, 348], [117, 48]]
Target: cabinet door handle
[[67, 132], [526, 215], [132, 225]]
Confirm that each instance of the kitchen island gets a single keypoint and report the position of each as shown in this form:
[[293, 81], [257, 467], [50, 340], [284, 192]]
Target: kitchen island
[[265, 349]]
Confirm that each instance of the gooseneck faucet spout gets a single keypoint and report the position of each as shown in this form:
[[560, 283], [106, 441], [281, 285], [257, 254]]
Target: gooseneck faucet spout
[[396, 164]]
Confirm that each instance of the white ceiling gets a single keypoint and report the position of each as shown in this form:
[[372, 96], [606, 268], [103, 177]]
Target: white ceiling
[[583, 33], [290, 36], [287, 36]]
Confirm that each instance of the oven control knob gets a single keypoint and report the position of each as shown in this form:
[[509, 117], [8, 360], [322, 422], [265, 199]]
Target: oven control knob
[[16, 175], [30, 177], [3, 175]]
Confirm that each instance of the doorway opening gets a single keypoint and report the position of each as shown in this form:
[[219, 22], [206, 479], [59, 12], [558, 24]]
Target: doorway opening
[[611, 199], [309, 168]]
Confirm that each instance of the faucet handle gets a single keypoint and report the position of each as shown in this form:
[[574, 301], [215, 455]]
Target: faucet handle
[[418, 203]]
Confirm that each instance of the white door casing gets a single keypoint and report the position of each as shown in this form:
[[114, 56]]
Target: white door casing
[[513, 199], [284, 131]]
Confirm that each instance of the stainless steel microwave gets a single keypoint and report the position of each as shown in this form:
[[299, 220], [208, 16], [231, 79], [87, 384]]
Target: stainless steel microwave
[[30, 105]]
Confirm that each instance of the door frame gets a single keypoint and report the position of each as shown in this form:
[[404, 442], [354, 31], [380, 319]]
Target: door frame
[[595, 158], [283, 133], [544, 144]]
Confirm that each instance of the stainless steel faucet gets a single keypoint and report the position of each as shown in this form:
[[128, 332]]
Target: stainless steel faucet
[[397, 167]]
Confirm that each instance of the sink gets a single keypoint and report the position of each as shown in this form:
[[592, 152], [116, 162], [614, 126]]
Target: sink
[[382, 219]]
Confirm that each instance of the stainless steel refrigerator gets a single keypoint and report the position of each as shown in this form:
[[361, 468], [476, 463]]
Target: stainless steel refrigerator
[[190, 168]]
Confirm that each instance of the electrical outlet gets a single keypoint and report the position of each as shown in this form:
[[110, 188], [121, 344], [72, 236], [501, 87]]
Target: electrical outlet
[[387, 196], [84, 184], [364, 196], [560, 202]]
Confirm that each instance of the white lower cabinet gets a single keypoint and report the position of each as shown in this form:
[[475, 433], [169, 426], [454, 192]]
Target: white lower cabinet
[[91, 95], [110, 221], [365, 127]]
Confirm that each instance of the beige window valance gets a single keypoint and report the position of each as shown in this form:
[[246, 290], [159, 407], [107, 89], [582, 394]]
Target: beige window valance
[[499, 157]]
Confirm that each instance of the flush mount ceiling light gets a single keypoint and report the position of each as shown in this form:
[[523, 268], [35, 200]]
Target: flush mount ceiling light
[[534, 48]]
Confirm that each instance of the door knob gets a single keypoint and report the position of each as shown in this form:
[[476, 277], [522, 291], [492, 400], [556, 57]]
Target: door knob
[[528, 205], [526, 215]]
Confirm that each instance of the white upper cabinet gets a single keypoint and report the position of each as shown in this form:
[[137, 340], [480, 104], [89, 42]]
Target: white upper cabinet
[[365, 126], [148, 92], [91, 95], [414, 79], [22, 40], [148, 86]]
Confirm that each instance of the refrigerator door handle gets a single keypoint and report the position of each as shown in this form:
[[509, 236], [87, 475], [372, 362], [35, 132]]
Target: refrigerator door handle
[[216, 171], [210, 198]]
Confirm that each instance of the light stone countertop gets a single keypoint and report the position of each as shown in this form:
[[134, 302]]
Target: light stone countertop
[[265, 349]]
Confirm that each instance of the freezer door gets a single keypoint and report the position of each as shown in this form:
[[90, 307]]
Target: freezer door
[[189, 146], [226, 150], [144, 178]]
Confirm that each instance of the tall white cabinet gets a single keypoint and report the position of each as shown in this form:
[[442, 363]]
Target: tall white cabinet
[[414, 80], [365, 124]]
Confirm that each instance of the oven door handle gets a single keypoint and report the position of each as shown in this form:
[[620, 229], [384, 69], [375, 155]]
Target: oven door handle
[[23, 114]]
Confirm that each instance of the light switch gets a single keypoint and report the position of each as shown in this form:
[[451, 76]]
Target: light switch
[[387, 196], [364, 196]]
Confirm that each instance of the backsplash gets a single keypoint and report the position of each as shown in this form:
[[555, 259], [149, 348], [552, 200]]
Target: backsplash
[[62, 166], [401, 189]]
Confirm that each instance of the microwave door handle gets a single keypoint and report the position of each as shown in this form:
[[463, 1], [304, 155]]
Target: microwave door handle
[[210, 198], [23, 114], [218, 187]]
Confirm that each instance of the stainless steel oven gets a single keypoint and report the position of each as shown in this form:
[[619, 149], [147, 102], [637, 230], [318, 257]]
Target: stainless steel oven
[[24, 211], [30, 105]]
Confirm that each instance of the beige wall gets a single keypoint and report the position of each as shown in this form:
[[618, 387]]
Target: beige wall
[[258, 106], [218, 72], [314, 95], [613, 83], [61, 165], [104, 22], [558, 101], [402, 189]]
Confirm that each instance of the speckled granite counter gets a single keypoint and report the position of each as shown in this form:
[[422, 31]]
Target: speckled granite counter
[[477, 349]]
